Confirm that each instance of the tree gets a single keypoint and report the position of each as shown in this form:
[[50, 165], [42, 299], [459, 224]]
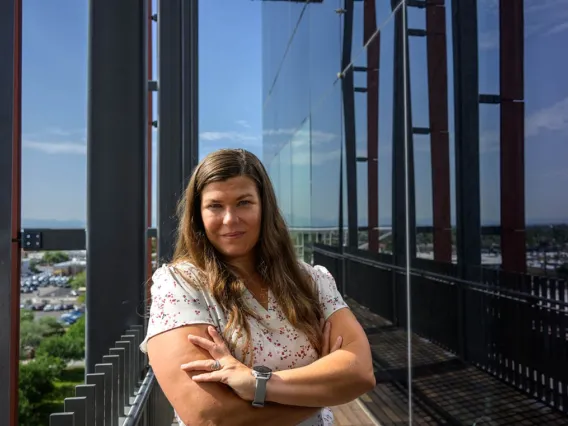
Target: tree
[[51, 327], [37, 376], [26, 315], [62, 347], [51, 257], [68, 347], [35, 384], [31, 335], [33, 266], [77, 331], [79, 280]]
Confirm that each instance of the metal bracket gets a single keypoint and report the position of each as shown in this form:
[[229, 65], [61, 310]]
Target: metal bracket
[[152, 86], [155, 124], [360, 89], [417, 32], [489, 99], [340, 11], [31, 240], [421, 4], [154, 17], [421, 130]]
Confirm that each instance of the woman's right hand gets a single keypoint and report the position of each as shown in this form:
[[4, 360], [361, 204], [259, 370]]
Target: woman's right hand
[[326, 331]]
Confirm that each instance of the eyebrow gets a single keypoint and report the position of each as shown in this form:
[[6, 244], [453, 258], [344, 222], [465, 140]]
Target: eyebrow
[[242, 197]]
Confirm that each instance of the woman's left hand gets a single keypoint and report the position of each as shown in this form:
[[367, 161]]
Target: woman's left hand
[[230, 371]]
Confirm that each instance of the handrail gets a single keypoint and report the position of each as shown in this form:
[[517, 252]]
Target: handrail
[[448, 279], [140, 401]]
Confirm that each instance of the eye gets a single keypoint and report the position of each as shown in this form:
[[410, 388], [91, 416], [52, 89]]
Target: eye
[[244, 202], [214, 206]]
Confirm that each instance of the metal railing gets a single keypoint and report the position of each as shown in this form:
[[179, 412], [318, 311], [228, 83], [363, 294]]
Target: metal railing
[[513, 326], [122, 391]]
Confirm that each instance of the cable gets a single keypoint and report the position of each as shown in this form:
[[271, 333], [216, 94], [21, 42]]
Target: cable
[[290, 40], [407, 211]]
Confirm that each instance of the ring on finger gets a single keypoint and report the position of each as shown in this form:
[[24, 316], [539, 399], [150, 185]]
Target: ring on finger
[[216, 365]]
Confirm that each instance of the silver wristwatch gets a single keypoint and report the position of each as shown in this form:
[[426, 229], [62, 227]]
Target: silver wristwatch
[[262, 374]]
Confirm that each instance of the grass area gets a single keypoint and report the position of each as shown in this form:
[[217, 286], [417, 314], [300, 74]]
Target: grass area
[[64, 388]]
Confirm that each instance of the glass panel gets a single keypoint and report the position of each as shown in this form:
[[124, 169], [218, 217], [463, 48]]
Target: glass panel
[[472, 338], [301, 179], [285, 189], [230, 99]]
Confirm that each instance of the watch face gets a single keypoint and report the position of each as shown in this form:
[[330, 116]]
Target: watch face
[[262, 369]]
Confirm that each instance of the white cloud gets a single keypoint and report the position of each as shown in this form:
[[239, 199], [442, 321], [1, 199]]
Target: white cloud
[[542, 18], [56, 147], [553, 118], [243, 123], [488, 40], [318, 136], [231, 136]]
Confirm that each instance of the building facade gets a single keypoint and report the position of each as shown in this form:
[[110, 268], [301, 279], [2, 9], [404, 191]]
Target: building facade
[[410, 130]]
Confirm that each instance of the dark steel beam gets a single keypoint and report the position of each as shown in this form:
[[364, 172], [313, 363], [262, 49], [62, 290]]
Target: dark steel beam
[[466, 136], [512, 155], [10, 190], [439, 133], [466, 104], [116, 172], [348, 94], [190, 88], [149, 140], [373, 64], [170, 152], [36, 239], [402, 128]]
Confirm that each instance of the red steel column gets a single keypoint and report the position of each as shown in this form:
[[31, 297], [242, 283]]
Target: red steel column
[[373, 61], [439, 134], [16, 214], [512, 158]]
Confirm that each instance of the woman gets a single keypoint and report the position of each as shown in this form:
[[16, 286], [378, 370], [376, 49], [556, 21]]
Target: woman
[[236, 297]]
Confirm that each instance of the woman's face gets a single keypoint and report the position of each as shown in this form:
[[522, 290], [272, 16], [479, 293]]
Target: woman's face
[[231, 211]]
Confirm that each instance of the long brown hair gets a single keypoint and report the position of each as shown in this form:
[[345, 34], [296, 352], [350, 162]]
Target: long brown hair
[[292, 286]]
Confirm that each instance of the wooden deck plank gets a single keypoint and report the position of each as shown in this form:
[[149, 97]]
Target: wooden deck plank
[[351, 414]]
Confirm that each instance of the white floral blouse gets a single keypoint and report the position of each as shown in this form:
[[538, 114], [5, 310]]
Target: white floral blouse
[[276, 344]]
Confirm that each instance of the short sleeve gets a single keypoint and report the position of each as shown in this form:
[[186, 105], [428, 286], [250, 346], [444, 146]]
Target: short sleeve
[[330, 298], [174, 305]]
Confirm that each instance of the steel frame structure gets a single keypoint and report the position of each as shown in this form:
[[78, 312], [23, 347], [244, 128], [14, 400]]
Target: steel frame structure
[[512, 140], [119, 148], [10, 189], [116, 172], [372, 69], [439, 132]]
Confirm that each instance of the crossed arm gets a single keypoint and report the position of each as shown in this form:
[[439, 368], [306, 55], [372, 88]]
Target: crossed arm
[[292, 395]]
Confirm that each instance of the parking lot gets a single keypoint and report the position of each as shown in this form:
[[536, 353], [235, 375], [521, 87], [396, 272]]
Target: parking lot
[[50, 295]]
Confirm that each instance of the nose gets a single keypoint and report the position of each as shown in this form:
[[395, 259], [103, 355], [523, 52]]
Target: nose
[[230, 217]]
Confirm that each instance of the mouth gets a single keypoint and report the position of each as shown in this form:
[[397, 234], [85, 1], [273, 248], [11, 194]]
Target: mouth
[[233, 234]]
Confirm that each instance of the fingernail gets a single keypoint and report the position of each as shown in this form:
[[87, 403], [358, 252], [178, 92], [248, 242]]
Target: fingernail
[[327, 324]]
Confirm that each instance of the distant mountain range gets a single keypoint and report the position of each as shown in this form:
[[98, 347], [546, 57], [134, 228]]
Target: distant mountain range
[[53, 223]]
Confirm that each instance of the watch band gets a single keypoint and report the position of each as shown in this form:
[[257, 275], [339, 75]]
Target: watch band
[[260, 392]]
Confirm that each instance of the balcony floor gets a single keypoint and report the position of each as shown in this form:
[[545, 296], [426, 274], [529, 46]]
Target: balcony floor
[[445, 389]]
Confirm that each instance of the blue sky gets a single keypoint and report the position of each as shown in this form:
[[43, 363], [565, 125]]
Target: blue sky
[[231, 102], [55, 97]]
